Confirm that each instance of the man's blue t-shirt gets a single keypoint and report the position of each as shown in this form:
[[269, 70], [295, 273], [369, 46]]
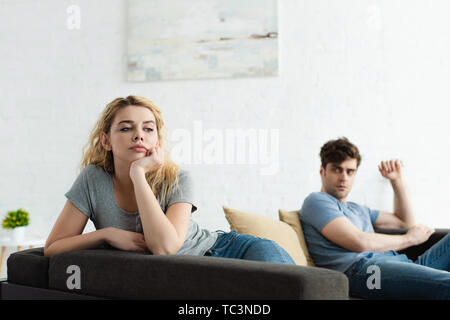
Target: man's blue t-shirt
[[319, 209]]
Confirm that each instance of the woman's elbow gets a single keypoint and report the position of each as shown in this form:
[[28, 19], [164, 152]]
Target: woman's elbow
[[162, 252], [47, 252], [165, 250]]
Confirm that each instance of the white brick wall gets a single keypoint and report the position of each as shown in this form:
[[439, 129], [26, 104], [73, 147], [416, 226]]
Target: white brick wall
[[374, 71]]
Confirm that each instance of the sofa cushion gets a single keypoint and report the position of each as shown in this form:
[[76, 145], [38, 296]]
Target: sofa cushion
[[28, 267], [291, 218], [134, 275], [264, 227]]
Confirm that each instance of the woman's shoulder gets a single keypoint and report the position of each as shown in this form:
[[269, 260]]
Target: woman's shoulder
[[92, 171], [184, 177], [183, 173], [92, 168], [184, 191]]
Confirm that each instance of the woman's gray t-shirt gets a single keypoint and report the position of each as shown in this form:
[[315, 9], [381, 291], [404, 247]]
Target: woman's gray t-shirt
[[93, 194]]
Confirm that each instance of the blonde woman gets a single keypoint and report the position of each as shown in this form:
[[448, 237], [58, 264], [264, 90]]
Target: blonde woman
[[137, 198]]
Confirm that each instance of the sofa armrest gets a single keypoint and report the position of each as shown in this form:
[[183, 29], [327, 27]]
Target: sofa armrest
[[415, 251], [28, 267], [132, 275]]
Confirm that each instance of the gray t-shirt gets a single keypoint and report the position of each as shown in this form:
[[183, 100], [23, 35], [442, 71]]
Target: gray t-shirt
[[93, 194]]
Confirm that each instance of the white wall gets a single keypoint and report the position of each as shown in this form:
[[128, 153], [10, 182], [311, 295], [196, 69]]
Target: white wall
[[374, 71]]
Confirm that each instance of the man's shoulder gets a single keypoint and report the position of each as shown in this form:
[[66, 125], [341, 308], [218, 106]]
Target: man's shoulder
[[355, 205], [318, 209], [315, 197], [318, 201]]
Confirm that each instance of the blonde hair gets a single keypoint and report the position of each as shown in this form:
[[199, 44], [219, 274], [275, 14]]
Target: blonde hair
[[161, 181]]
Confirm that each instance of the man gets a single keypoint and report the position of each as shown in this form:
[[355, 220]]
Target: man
[[340, 234]]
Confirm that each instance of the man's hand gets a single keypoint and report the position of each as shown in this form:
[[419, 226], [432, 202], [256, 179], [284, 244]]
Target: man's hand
[[391, 169], [403, 209], [419, 234]]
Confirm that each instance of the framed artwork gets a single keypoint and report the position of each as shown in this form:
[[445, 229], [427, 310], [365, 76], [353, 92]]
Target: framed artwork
[[198, 39]]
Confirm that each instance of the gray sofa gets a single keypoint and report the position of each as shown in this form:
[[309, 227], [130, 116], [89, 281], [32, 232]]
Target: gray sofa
[[106, 273]]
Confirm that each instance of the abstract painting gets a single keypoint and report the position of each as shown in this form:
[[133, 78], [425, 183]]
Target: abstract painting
[[200, 39]]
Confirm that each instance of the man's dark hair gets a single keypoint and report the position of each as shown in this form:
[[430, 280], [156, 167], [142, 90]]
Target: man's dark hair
[[339, 150]]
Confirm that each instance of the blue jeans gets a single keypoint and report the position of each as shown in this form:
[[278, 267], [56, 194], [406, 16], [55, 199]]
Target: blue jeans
[[243, 246], [401, 278]]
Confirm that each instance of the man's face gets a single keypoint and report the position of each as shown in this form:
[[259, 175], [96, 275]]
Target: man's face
[[337, 178]]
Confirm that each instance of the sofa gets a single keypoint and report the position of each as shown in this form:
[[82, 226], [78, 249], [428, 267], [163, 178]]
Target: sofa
[[107, 273]]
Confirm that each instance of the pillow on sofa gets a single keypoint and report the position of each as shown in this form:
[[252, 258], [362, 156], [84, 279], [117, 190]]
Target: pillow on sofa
[[264, 227], [291, 218]]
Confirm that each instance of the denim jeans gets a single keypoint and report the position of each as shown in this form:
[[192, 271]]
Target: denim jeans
[[242, 246], [401, 278]]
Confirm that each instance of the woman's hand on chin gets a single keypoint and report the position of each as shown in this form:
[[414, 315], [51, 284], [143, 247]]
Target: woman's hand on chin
[[153, 160]]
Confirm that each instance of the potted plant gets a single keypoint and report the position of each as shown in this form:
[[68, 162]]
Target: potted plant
[[16, 221]]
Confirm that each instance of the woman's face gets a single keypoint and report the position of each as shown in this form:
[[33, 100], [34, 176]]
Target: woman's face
[[132, 125]]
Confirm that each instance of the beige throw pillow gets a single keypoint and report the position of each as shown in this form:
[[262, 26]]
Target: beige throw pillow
[[264, 227], [292, 219]]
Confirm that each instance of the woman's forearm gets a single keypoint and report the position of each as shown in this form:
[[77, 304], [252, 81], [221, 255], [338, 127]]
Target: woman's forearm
[[160, 234], [78, 242]]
